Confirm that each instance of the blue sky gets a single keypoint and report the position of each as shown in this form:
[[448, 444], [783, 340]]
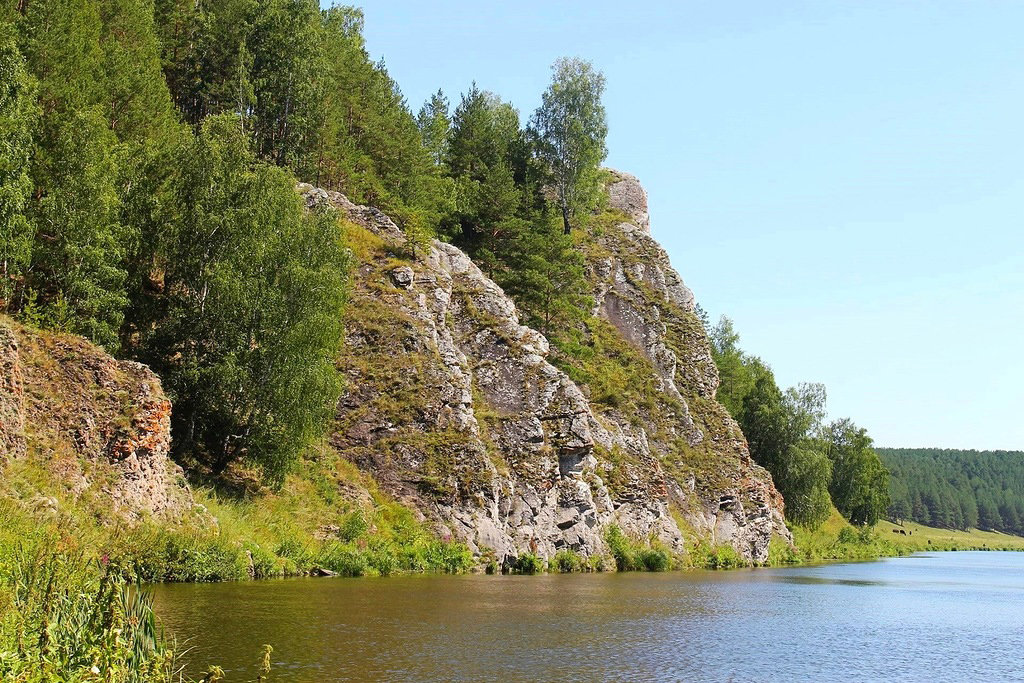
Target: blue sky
[[843, 179]]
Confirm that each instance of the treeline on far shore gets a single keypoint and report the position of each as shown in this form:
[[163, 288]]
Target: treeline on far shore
[[957, 489]]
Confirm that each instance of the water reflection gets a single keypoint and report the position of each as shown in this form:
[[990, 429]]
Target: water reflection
[[948, 617]]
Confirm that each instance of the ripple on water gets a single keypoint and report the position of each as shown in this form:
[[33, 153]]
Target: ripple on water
[[940, 617]]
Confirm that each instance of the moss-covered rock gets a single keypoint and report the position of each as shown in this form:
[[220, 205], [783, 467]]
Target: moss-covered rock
[[517, 448]]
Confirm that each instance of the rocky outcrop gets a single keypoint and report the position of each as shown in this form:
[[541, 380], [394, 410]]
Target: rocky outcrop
[[453, 407], [456, 408], [99, 425], [12, 409], [709, 477], [627, 194]]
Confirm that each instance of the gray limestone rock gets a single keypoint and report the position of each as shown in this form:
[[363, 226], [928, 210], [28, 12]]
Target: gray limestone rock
[[454, 407]]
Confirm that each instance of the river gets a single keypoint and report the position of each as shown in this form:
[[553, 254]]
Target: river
[[930, 617]]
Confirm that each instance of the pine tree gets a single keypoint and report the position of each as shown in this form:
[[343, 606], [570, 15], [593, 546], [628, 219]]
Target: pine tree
[[435, 126]]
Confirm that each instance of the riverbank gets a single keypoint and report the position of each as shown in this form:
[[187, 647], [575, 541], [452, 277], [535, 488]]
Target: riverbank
[[919, 538], [53, 554]]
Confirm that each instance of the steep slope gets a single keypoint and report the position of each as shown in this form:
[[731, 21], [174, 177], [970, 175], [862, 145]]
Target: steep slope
[[677, 443], [95, 425], [456, 409]]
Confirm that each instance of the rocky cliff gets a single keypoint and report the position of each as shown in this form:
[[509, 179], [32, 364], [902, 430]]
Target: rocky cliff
[[98, 426], [470, 417]]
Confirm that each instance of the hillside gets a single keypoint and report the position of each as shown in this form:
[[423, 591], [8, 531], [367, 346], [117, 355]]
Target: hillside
[[957, 489], [454, 408], [453, 412]]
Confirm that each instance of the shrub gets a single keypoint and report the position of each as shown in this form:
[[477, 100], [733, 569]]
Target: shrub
[[621, 549], [528, 563], [847, 535], [448, 556], [343, 559], [567, 561], [353, 525], [653, 559]]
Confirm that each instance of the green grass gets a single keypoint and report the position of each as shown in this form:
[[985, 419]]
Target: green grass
[[633, 555], [314, 521], [922, 538], [835, 539]]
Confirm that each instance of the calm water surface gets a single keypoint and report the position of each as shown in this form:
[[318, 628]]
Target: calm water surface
[[934, 617]]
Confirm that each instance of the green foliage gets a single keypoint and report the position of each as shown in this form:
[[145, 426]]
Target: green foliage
[[18, 116], [781, 432], [631, 555], [64, 619], [724, 556], [956, 489], [248, 322], [785, 434], [545, 276], [101, 102], [435, 125], [78, 260], [569, 129], [528, 563], [834, 539], [568, 561], [860, 482]]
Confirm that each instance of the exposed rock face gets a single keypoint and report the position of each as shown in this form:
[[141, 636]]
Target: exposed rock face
[[12, 409], [627, 194], [98, 423], [455, 409], [712, 481]]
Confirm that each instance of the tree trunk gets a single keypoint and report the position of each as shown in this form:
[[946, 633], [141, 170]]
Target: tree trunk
[[565, 219]]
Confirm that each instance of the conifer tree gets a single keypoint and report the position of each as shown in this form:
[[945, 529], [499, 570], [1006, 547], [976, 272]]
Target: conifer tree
[[435, 126]]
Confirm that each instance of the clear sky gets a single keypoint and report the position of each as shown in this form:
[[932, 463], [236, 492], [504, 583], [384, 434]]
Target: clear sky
[[843, 179]]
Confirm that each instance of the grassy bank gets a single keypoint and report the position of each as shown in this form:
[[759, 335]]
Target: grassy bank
[[838, 540], [921, 538], [835, 539], [326, 518]]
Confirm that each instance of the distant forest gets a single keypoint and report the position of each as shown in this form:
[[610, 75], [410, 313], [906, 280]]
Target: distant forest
[[957, 489]]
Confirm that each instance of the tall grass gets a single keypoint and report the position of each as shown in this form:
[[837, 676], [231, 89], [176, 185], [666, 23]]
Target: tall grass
[[631, 555], [65, 619]]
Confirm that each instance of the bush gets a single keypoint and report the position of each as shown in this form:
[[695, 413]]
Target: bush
[[448, 556], [781, 553], [722, 556], [383, 559], [528, 563], [353, 525], [632, 556], [343, 559], [847, 535], [654, 559], [621, 549], [568, 561]]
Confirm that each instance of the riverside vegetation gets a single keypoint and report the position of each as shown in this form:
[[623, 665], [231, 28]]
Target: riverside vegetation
[[339, 378]]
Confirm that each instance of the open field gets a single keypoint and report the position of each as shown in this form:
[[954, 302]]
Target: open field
[[929, 538]]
